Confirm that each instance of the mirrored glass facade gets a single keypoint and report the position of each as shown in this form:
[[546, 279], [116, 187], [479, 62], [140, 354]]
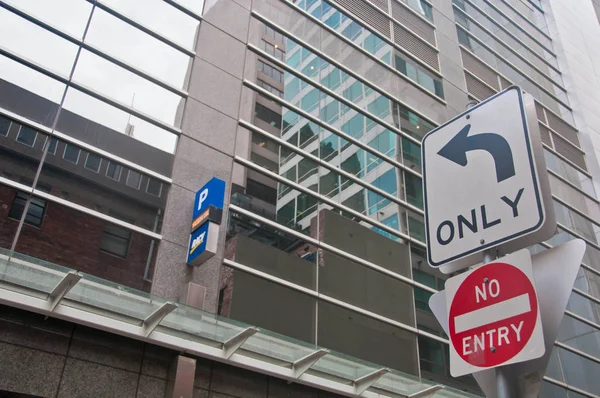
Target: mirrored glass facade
[[91, 100]]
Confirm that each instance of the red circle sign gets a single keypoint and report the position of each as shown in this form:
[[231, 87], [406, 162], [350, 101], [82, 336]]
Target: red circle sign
[[493, 314]]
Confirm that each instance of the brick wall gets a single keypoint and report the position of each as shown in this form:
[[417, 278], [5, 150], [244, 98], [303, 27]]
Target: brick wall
[[52, 358], [72, 239]]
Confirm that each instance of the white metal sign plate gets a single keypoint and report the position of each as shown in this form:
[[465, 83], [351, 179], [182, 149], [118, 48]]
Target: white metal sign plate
[[480, 182]]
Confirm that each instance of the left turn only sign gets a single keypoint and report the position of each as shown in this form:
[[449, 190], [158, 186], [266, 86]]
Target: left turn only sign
[[481, 184], [493, 315]]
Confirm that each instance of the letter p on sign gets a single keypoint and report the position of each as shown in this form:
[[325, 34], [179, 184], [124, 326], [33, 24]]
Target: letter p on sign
[[202, 198]]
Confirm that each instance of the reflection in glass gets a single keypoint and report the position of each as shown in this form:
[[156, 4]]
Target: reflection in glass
[[69, 16], [138, 49], [36, 44], [71, 153], [102, 184], [21, 149], [22, 87], [27, 136], [35, 212], [127, 88], [93, 121], [161, 18]]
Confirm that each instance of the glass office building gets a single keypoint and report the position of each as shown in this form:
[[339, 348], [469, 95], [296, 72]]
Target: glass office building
[[113, 114]]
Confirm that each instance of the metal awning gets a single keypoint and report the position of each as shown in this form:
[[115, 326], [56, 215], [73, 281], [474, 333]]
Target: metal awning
[[49, 289]]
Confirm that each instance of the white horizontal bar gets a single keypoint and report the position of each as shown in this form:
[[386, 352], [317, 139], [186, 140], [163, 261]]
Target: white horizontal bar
[[492, 313]]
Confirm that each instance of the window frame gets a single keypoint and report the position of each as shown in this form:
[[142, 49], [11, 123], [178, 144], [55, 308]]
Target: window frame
[[24, 196], [87, 158], [114, 235], [139, 181], [34, 137], [120, 171], [159, 191], [67, 146], [10, 123], [51, 139]]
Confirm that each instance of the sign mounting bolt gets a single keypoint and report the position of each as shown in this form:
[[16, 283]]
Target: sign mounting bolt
[[493, 349], [482, 241], [485, 280]]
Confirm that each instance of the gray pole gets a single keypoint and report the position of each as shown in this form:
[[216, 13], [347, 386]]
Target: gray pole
[[504, 385]]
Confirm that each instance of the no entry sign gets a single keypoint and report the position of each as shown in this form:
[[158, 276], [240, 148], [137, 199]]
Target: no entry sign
[[493, 315]]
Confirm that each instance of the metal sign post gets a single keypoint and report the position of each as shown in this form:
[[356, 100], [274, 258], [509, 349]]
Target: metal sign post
[[504, 387]]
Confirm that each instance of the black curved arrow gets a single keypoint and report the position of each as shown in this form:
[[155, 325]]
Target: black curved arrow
[[456, 150]]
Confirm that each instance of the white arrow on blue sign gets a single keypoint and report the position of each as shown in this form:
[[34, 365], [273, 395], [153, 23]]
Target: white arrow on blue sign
[[484, 182]]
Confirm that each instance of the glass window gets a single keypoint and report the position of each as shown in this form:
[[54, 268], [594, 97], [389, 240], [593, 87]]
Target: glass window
[[4, 126], [334, 20], [422, 296], [356, 202], [385, 143], [354, 128], [265, 114], [354, 92], [330, 113], [285, 214], [100, 113], [93, 162], [30, 84], [27, 136], [380, 107], [261, 191], [70, 16], [293, 60], [292, 88], [131, 45], [306, 205], [421, 77], [463, 38], [113, 171], [35, 213], [332, 80], [154, 187], [162, 17], [308, 134], [373, 43], [392, 222], [416, 228], [431, 353], [52, 146], [414, 190], [387, 182], [115, 240], [329, 147], [312, 68], [71, 153], [134, 179], [32, 42], [352, 30], [355, 164], [306, 168], [290, 175], [310, 100], [330, 183], [126, 87]]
